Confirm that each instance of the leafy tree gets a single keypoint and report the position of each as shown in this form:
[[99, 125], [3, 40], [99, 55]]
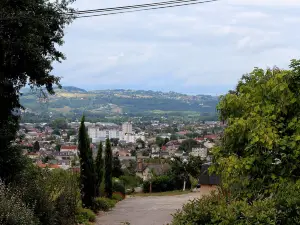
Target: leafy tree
[[36, 146], [188, 144], [260, 146], [70, 133], [117, 167], [140, 141], [108, 169], [160, 141], [166, 140], [173, 137], [57, 147], [56, 132], [87, 169], [99, 169], [114, 141], [59, 123]]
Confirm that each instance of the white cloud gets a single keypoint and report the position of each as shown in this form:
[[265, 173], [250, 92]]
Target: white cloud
[[181, 49]]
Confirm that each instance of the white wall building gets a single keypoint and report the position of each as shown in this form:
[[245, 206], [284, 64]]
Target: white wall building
[[100, 133]]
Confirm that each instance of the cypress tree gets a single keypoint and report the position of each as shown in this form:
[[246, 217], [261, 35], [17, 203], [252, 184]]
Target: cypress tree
[[108, 169], [99, 169], [117, 167], [87, 169]]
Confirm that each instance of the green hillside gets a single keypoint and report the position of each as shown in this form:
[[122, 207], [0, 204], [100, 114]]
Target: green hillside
[[70, 101]]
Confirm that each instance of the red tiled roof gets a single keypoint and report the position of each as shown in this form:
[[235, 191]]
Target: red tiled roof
[[69, 147], [52, 166], [211, 136]]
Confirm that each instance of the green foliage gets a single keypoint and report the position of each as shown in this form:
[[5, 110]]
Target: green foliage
[[108, 169], [36, 146], [215, 210], [287, 202], [173, 137], [52, 195], [104, 204], [99, 164], [12, 162], [198, 211], [188, 144], [131, 181], [117, 196], [165, 183], [117, 186], [87, 168], [260, 146], [12, 210], [59, 123], [85, 215], [117, 167]]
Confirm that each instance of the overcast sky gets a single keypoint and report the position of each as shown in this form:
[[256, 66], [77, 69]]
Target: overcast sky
[[198, 49]]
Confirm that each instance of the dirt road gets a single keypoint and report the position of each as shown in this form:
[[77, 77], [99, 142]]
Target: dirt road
[[153, 210]]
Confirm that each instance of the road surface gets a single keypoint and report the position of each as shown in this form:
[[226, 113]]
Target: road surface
[[153, 210]]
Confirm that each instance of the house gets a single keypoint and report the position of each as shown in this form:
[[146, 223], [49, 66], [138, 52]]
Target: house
[[69, 148], [33, 155], [147, 170], [48, 166]]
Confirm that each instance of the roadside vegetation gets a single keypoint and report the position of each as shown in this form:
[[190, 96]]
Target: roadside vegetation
[[258, 157]]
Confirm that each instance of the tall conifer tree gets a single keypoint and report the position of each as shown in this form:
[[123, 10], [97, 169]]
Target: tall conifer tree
[[87, 169], [108, 169], [99, 166]]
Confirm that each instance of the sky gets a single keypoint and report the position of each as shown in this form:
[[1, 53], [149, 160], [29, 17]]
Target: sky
[[197, 49]]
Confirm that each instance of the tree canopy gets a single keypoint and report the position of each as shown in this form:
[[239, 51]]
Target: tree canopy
[[262, 140]]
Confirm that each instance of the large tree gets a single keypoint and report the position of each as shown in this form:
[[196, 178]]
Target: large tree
[[30, 31], [261, 145], [87, 169], [117, 167], [108, 169], [99, 166]]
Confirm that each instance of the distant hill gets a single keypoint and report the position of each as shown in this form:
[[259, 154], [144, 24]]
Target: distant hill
[[74, 101]]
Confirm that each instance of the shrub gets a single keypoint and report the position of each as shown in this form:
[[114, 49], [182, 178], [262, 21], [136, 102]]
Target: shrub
[[13, 211], [287, 202], [118, 187], [214, 209], [165, 183], [131, 181], [198, 211], [104, 204], [85, 215], [117, 196]]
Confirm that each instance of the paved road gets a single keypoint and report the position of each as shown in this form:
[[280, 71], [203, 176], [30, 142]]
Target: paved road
[[154, 210]]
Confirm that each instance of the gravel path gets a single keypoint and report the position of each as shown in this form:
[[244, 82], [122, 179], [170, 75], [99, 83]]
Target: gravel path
[[153, 210]]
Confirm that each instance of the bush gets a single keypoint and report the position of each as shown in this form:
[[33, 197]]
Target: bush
[[198, 211], [287, 203], [85, 215], [165, 183], [118, 187], [131, 181], [117, 196], [13, 211], [281, 208], [104, 204]]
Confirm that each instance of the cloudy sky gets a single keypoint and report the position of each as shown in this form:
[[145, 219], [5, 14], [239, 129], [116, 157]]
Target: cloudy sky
[[198, 49]]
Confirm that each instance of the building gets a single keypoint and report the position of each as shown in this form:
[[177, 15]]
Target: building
[[127, 128], [100, 133], [199, 152], [69, 148]]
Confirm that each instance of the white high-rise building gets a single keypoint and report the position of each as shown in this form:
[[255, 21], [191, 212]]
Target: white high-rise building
[[98, 133], [127, 128]]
